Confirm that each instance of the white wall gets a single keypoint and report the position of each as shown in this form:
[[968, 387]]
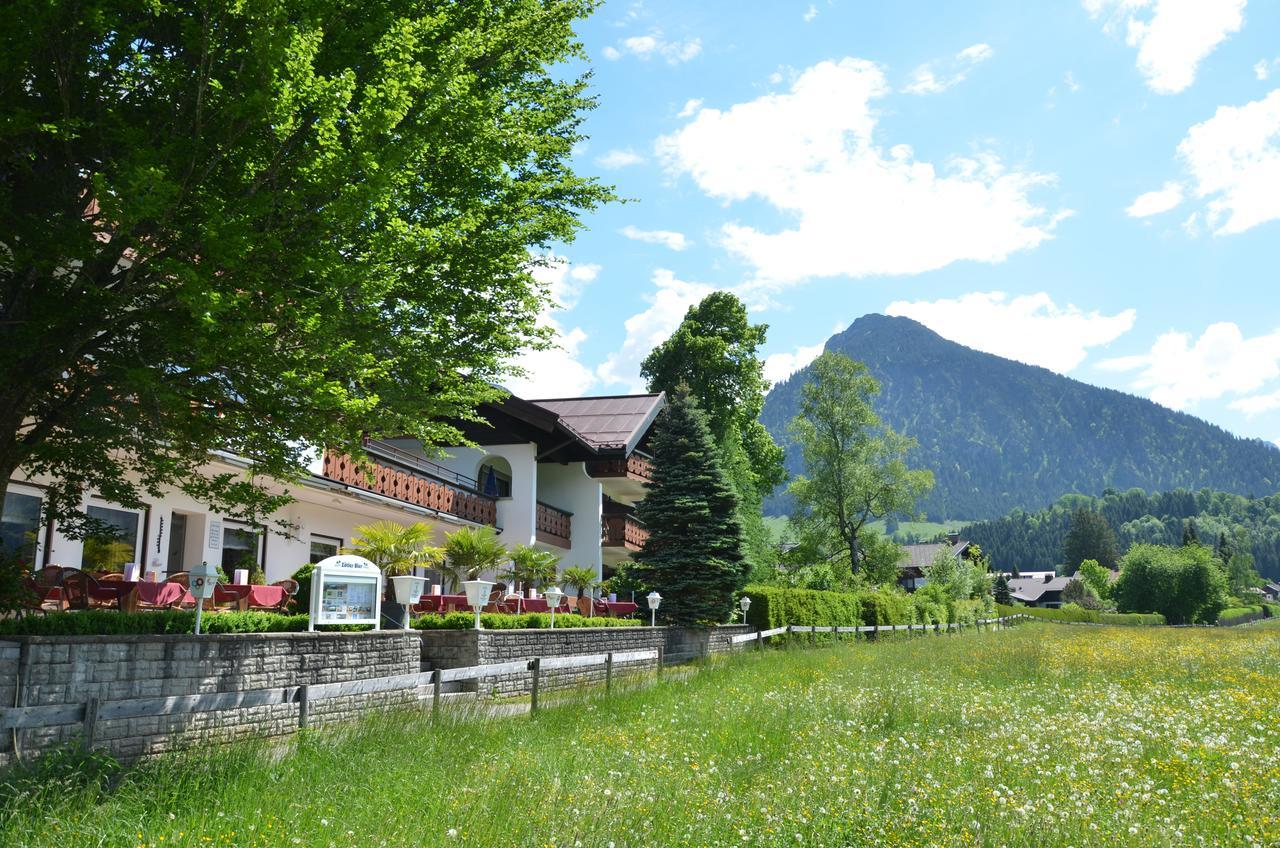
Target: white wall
[[570, 488]]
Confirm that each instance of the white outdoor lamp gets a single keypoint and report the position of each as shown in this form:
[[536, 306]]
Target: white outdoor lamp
[[202, 579], [745, 603], [654, 599], [477, 594], [553, 596]]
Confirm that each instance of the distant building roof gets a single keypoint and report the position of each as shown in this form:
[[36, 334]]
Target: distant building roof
[[1029, 589], [921, 556], [615, 422]]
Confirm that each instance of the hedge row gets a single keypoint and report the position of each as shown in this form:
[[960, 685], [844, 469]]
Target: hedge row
[[1240, 615], [113, 623], [524, 621], [1125, 619], [776, 606]]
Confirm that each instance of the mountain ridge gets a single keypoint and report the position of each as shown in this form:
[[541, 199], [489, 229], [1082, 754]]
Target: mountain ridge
[[1000, 434]]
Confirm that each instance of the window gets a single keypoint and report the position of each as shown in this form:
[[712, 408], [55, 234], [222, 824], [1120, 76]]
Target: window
[[494, 479], [323, 547], [239, 548], [112, 540], [20, 525]]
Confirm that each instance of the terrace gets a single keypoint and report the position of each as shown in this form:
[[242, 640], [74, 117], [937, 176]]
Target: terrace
[[553, 525], [623, 479]]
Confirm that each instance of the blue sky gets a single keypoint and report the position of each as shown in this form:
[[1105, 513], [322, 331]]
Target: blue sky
[[1092, 186]]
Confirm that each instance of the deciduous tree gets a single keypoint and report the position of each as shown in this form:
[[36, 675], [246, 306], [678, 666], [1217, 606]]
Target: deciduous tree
[[261, 227]]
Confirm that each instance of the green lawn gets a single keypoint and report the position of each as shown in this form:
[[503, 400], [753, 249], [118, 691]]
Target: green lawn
[[1045, 735]]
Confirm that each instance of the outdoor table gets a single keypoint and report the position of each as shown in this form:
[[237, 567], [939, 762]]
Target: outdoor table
[[620, 609], [534, 605], [266, 597], [458, 602]]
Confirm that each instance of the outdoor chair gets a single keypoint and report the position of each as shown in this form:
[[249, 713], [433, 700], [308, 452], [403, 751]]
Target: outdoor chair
[[426, 604], [182, 578], [290, 587], [110, 575], [600, 608], [81, 591]]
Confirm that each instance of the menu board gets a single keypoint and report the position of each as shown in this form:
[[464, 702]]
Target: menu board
[[346, 589]]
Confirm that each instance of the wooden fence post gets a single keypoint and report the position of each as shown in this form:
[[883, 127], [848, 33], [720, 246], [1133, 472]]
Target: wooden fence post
[[435, 693], [90, 722], [304, 706], [608, 672], [535, 666], [813, 635], [759, 640], [661, 660]]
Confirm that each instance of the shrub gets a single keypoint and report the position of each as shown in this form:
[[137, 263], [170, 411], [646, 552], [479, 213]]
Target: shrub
[[524, 621], [1076, 613], [112, 623], [884, 607], [1239, 615], [302, 600], [775, 606]]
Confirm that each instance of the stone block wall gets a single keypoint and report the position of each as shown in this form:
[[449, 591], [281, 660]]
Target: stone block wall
[[684, 644], [72, 669]]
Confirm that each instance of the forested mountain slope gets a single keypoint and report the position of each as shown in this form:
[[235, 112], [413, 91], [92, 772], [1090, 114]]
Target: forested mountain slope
[[1000, 435], [1033, 541]]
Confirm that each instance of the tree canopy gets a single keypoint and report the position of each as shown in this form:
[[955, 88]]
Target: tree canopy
[[263, 227], [693, 556], [1185, 584], [1090, 537], [855, 470]]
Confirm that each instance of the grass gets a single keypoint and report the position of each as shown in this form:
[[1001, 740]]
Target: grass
[[1044, 735]]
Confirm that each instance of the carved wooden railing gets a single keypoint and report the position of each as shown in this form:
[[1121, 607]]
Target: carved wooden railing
[[622, 530], [411, 487], [552, 525], [637, 466]]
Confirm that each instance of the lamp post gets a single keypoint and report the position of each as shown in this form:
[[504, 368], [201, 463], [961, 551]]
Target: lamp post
[[654, 599], [477, 593], [745, 604], [553, 596]]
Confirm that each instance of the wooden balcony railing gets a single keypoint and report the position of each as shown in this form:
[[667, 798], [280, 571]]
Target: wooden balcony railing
[[637, 467], [622, 530], [552, 525], [412, 487]]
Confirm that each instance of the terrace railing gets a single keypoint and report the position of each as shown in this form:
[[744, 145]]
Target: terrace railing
[[552, 525], [637, 466], [622, 530], [412, 485]]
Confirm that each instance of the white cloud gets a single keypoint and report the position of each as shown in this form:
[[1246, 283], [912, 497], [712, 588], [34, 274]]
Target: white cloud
[[653, 45], [780, 366], [1262, 70], [1070, 80], [1257, 404], [937, 76], [1179, 373], [1172, 36], [1028, 328], [666, 238], [616, 158], [1234, 158], [646, 329], [857, 208], [690, 106], [810, 13], [557, 371], [1154, 202]]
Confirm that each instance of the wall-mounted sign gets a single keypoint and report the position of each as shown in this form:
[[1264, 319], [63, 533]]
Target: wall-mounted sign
[[215, 534], [345, 589]]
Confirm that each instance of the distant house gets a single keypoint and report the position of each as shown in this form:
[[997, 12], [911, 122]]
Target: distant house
[[913, 570], [1271, 590], [1041, 591]]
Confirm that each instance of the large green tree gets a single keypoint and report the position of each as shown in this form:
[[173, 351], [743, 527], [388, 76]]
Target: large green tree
[[855, 466], [265, 226], [714, 354], [1090, 537], [1185, 584], [693, 556]]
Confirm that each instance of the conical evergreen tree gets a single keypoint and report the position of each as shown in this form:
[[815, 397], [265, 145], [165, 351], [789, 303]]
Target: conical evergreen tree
[[693, 557], [1001, 591], [1189, 535]]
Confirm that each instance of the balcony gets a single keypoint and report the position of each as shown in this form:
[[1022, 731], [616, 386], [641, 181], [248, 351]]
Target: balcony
[[623, 479], [416, 484], [622, 530], [552, 525]]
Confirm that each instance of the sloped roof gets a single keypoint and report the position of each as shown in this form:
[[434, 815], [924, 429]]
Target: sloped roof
[[616, 422], [922, 556], [1031, 588]]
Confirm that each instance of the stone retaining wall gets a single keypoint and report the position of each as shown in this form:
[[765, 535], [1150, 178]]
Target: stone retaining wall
[[72, 669]]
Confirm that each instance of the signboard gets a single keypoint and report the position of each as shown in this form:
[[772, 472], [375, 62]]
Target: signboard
[[345, 589]]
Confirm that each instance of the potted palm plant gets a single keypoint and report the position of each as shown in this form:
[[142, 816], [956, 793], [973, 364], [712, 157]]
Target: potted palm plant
[[397, 549], [470, 552], [530, 567], [581, 579]]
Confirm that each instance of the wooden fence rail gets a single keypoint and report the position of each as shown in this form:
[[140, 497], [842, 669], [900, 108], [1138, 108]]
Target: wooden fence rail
[[425, 684]]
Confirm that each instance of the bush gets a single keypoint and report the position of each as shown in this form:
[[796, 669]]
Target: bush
[[884, 607], [1240, 615], [302, 600], [525, 621], [112, 623], [775, 606], [1071, 612]]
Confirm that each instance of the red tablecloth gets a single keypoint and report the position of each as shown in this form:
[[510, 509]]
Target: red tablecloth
[[620, 609], [534, 605], [161, 594], [456, 601], [266, 596]]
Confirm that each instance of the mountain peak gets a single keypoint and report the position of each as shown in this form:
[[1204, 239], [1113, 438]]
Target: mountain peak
[[1000, 434]]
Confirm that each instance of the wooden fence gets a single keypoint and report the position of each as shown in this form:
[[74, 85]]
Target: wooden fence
[[427, 685]]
